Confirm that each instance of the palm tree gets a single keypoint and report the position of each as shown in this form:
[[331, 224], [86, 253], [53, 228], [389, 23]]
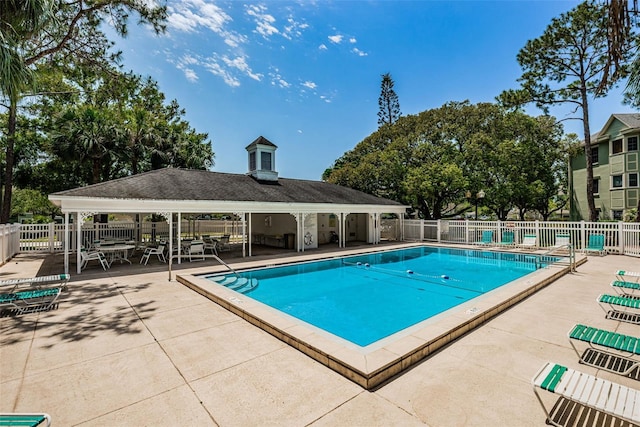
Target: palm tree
[[19, 20]]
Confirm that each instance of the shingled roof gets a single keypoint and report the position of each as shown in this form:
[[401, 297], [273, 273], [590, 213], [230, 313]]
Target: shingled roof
[[189, 184]]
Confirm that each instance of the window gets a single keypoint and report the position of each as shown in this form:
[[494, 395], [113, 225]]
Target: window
[[252, 161], [265, 161], [596, 186], [632, 143], [616, 181], [616, 146], [617, 215], [594, 155], [633, 180]]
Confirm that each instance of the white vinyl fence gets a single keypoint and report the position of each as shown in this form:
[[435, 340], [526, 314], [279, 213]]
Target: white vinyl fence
[[620, 237], [50, 237]]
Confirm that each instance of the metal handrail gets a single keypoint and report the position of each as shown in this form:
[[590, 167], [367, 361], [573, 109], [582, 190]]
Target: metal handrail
[[204, 256], [572, 254]]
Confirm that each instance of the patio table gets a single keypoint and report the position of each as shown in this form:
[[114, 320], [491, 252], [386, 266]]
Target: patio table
[[117, 252]]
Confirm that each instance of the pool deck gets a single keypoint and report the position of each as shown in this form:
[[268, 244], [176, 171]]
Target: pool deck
[[129, 347]]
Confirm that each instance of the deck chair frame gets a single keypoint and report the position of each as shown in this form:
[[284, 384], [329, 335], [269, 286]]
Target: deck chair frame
[[606, 350], [592, 392], [30, 300], [37, 282], [623, 308]]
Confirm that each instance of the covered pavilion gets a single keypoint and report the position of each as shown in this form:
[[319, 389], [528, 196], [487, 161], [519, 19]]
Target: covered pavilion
[[302, 212]]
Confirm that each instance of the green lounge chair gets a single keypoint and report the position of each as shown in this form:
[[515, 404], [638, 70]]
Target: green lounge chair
[[487, 238], [595, 244], [30, 300], [508, 238], [32, 420], [587, 390], [625, 288], [621, 308], [606, 350]]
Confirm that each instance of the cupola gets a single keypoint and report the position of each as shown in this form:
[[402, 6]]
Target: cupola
[[262, 159]]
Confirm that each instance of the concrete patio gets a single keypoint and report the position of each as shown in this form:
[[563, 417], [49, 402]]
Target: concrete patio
[[128, 347]]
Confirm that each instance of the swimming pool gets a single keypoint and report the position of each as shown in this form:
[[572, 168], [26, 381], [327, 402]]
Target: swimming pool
[[368, 297], [373, 364]]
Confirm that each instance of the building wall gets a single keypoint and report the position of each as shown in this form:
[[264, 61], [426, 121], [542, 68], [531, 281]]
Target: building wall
[[612, 202]]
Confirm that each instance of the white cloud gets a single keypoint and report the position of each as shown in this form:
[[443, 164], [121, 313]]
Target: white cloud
[[359, 52], [240, 64], [278, 80], [323, 47], [190, 75], [299, 130], [352, 40], [264, 21], [293, 28], [337, 39], [217, 70], [309, 84], [188, 15]]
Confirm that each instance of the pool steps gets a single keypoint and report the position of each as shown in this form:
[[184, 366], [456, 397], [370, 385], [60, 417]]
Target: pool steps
[[238, 284]]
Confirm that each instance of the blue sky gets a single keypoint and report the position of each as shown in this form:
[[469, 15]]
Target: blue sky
[[306, 75]]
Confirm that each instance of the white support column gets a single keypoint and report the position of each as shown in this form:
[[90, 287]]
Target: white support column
[[169, 219], [66, 243], [250, 232], [79, 219], [179, 237]]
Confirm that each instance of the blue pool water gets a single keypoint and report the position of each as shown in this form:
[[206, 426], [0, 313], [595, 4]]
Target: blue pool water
[[368, 297]]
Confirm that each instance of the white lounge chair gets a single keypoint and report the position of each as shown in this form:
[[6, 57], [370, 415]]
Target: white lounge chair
[[623, 275], [595, 393], [529, 241]]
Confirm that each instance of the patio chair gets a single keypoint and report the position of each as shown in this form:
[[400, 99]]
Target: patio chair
[[621, 307], [224, 244], [487, 238], [529, 241], [24, 419], [86, 256], [196, 249], [508, 238], [159, 252], [606, 350], [595, 244], [30, 300], [583, 389], [210, 244]]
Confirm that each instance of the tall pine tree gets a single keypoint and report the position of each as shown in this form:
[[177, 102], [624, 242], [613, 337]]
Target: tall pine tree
[[388, 102]]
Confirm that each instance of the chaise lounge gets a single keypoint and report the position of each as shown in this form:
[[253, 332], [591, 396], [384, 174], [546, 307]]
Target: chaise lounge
[[24, 419], [606, 350], [616, 302], [586, 390]]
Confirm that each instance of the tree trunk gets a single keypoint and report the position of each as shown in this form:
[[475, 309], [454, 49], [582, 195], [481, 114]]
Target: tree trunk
[[10, 158], [593, 214]]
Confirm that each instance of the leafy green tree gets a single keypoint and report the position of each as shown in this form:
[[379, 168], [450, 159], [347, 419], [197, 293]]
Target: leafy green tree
[[72, 33], [569, 63], [388, 102], [32, 201]]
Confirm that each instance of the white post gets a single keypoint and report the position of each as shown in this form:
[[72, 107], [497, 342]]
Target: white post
[[421, 235], [66, 243], [250, 232], [620, 238], [79, 219], [583, 235], [466, 231], [179, 237], [439, 230]]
